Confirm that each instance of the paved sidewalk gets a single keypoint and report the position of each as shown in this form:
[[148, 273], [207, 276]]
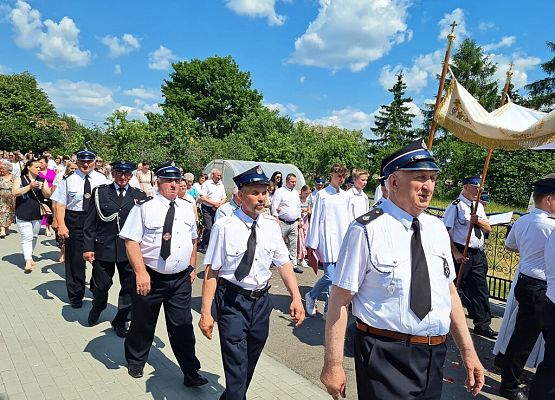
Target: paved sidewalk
[[48, 352]]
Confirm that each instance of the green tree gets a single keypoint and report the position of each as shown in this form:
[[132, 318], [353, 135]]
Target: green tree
[[213, 92], [542, 92], [28, 120], [394, 121]]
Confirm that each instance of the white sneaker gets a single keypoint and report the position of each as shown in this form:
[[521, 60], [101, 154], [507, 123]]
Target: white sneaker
[[310, 305], [304, 264]]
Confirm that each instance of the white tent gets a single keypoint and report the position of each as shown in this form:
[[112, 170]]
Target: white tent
[[230, 168]]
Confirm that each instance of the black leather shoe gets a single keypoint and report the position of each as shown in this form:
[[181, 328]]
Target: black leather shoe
[[121, 330], [511, 395], [136, 371], [298, 270], [93, 317], [488, 333], [76, 304], [194, 379]]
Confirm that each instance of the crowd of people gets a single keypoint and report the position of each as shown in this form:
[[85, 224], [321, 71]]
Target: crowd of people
[[392, 266]]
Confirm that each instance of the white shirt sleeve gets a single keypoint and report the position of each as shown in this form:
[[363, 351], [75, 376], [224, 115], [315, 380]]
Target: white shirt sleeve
[[352, 261], [60, 194], [313, 235], [276, 200], [510, 241], [449, 216], [215, 253], [133, 227]]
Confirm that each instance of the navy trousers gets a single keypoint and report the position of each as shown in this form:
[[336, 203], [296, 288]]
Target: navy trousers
[[393, 369], [243, 325], [174, 291], [74, 263], [543, 385]]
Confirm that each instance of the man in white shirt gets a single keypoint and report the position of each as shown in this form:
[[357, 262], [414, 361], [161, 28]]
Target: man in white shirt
[[228, 208], [528, 237], [286, 207], [474, 288], [212, 196], [358, 200]]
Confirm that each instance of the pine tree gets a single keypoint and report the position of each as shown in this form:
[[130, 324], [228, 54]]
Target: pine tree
[[542, 92], [394, 122]]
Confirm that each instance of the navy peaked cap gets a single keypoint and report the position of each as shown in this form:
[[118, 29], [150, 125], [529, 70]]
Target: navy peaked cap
[[85, 154], [545, 186], [413, 157], [123, 166], [168, 170], [472, 180], [253, 176]]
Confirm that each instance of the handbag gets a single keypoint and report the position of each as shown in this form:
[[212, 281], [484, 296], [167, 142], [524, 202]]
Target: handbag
[[44, 208]]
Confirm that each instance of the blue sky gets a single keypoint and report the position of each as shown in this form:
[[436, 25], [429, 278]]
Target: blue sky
[[328, 61]]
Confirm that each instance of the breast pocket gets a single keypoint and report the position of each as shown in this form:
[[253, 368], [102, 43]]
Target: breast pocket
[[234, 251], [153, 231], [383, 269]]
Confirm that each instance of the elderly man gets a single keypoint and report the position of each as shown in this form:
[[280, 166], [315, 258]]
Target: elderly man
[[286, 207], [73, 199], [161, 239], [457, 218], [396, 270], [212, 196], [242, 248], [105, 250]]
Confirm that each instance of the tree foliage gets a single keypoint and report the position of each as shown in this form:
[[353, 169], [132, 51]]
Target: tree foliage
[[542, 92], [213, 92]]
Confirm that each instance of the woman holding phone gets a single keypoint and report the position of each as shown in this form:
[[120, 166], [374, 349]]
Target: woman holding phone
[[30, 191]]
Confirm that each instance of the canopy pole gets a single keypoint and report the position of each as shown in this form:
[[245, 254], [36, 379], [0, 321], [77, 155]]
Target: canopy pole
[[483, 180], [433, 125]]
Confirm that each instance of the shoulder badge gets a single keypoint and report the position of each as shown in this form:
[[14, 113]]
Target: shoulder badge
[[67, 176], [143, 201], [370, 216], [101, 186], [456, 201], [378, 203]]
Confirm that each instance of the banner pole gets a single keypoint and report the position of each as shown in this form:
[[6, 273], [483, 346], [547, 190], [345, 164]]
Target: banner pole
[[433, 125]]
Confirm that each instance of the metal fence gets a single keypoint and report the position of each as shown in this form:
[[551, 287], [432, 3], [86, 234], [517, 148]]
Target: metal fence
[[501, 262]]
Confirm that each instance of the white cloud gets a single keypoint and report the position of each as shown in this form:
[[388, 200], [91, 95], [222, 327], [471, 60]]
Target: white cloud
[[484, 26], [257, 9], [522, 63], [139, 109], [120, 46], [92, 98], [348, 118], [161, 58], [424, 68], [506, 41], [4, 69], [143, 93], [302, 79], [58, 45], [457, 15], [117, 69], [352, 33], [282, 108]]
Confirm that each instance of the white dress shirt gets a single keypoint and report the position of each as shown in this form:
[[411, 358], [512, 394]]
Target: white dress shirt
[[358, 203], [228, 244], [376, 268], [288, 202], [226, 209], [549, 256], [145, 225], [457, 219], [378, 194], [214, 191], [528, 235], [328, 223], [70, 190]]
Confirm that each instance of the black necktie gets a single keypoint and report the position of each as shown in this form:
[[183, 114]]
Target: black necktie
[[477, 230], [246, 262], [120, 194], [166, 248], [87, 193], [420, 292]]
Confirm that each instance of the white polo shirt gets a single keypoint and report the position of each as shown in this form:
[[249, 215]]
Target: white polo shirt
[[214, 191], [70, 190], [288, 202]]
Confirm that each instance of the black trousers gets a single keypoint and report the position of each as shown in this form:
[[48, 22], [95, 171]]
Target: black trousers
[[174, 291], [474, 287], [530, 294], [74, 263], [208, 216], [101, 282], [543, 385], [243, 325], [393, 369]]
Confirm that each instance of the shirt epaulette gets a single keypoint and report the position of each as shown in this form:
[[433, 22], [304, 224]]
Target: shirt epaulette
[[143, 201], [67, 176], [270, 217], [456, 201], [103, 185], [370, 216], [378, 203]]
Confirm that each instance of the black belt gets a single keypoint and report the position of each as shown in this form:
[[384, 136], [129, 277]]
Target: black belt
[[253, 294], [76, 212], [152, 272], [532, 280], [288, 222]]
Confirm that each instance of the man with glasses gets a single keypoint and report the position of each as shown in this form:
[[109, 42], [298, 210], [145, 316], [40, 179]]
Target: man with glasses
[[105, 250], [72, 199], [161, 239], [212, 196]]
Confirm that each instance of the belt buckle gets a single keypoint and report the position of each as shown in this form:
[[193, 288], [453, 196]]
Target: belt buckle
[[251, 294], [429, 340]]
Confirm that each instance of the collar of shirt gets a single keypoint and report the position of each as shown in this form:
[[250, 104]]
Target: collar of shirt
[[214, 183], [356, 192], [244, 217], [81, 174], [165, 201], [540, 212], [233, 203], [464, 200], [116, 186], [398, 213], [331, 190]]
